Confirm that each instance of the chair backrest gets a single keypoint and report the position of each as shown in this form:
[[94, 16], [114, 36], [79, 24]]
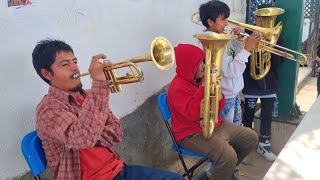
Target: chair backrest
[[33, 152], [166, 115], [163, 106]]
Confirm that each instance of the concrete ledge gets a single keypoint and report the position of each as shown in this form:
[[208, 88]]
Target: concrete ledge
[[303, 73], [300, 157]]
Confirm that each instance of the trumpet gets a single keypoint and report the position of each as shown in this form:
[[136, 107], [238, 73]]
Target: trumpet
[[161, 53], [273, 38], [273, 50], [270, 34]]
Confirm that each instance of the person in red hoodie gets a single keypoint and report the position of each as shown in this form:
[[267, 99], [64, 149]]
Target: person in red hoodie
[[230, 143]]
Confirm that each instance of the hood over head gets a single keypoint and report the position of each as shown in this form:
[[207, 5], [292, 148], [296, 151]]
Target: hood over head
[[188, 58]]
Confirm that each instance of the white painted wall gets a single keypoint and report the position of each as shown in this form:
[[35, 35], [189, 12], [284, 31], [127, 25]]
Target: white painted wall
[[121, 29], [305, 30]]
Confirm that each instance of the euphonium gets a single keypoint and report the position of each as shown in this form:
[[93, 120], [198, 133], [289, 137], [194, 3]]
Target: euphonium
[[213, 45], [161, 53], [260, 62]]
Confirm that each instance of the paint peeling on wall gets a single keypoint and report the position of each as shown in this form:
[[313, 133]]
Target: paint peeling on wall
[[19, 3]]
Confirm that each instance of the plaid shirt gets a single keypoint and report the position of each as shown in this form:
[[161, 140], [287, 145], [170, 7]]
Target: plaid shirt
[[64, 127]]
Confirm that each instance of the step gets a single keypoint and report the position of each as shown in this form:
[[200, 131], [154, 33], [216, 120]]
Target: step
[[303, 73]]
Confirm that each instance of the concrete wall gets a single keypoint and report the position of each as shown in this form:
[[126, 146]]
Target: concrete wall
[[119, 29]]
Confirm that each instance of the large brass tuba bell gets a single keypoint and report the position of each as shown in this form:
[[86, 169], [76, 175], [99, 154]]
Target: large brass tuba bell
[[213, 45], [161, 53]]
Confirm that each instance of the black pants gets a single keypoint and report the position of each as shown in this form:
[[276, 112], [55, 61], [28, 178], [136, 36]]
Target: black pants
[[318, 84], [266, 114]]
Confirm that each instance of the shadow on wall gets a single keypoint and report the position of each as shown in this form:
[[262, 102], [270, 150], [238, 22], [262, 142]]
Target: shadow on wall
[[146, 140]]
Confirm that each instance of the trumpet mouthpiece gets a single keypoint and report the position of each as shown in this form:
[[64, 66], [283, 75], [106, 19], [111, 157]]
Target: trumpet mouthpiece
[[76, 76]]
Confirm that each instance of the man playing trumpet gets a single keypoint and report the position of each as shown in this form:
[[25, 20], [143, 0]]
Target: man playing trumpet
[[77, 128]]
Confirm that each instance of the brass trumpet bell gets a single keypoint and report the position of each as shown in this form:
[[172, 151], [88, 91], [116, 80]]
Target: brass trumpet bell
[[162, 54]]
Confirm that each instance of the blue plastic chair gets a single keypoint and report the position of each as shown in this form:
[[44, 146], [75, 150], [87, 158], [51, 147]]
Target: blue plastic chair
[[163, 107], [33, 153]]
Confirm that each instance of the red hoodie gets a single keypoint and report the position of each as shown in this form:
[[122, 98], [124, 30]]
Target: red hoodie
[[184, 95]]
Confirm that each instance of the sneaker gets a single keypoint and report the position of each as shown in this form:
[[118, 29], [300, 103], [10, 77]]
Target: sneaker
[[234, 177], [257, 114], [209, 169], [264, 150]]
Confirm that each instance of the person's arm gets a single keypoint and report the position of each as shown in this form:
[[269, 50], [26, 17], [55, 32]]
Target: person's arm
[[112, 132], [84, 129], [233, 67]]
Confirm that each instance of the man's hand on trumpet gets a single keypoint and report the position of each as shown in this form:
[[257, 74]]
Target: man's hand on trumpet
[[252, 41], [238, 31], [96, 67]]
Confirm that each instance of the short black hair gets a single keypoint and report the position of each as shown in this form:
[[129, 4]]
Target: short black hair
[[212, 10], [45, 53], [264, 6]]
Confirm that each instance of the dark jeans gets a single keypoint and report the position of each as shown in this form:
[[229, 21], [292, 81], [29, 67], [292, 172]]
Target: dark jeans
[[266, 114], [229, 145], [135, 172]]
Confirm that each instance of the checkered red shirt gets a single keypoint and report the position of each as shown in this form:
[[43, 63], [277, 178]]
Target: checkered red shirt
[[64, 127]]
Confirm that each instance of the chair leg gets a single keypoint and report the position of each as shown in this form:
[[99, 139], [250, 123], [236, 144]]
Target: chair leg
[[179, 153], [184, 167], [194, 167], [37, 177]]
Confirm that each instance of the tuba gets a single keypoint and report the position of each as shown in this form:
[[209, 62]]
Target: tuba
[[260, 64], [213, 45], [161, 53]]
